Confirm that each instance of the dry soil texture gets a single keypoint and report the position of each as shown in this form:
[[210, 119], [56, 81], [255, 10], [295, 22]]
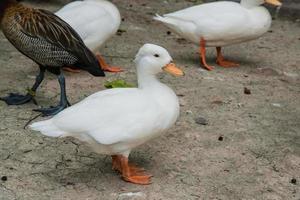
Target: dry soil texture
[[250, 148]]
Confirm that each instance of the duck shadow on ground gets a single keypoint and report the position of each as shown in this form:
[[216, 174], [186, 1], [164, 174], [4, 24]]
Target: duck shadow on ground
[[87, 167]]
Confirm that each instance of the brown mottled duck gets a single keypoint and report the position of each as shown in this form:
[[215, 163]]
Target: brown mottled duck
[[50, 42]]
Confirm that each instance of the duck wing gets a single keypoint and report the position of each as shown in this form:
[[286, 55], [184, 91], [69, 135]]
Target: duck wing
[[211, 19], [52, 31], [109, 117], [92, 20]]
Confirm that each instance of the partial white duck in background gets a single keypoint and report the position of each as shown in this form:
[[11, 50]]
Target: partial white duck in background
[[95, 21], [115, 121], [220, 24]]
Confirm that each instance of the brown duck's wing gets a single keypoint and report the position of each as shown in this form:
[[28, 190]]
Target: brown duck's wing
[[46, 26]]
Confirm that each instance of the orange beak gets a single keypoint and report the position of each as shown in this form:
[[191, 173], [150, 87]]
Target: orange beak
[[274, 2], [172, 69]]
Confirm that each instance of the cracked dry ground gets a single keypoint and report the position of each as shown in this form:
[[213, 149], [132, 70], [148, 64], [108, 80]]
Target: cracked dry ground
[[250, 148]]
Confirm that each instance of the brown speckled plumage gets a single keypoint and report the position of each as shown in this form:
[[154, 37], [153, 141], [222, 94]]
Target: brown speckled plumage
[[50, 42], [46, 39]]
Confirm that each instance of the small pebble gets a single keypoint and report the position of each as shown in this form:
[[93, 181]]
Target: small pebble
[[189, 112], [201, 121], [120, 32], [4, 178], [70, 183], [278, 105], [132, 196], [221, 138], [294, 181], [247, 91], [168, 32], [218, 102], [3, 129]]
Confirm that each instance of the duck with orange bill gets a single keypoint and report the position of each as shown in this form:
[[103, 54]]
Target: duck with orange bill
[[115, 121], [50, 42], [220, 24]]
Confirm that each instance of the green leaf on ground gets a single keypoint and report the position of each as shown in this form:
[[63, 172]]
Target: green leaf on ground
[[118, 84]]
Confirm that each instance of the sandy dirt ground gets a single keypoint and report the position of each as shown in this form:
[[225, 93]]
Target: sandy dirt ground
[[248, 149]]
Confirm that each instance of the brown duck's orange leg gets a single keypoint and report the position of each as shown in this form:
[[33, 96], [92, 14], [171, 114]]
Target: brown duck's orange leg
[[106, 67], [71, 69], [222, 62], [116, 164], [130, 173], [202, 52]]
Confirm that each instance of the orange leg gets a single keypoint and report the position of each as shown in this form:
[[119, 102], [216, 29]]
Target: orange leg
[[222, 62], [106, 67], [130, 172], [202, 52], [103, 64]]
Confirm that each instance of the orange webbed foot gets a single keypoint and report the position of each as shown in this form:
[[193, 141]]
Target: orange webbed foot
[[106, 67], [130, 173], [208, 67], [112, 69], [222, 62], [139, 179], [137, 175], [226, 63]]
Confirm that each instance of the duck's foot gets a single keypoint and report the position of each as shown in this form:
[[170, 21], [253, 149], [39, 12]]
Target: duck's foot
[[106, 67], [221, 60], [226, 63], [116, 165], [112, 69], [208, 67], [17, 99], [138, 179], [51, 111], [130, 173], [71, 69]]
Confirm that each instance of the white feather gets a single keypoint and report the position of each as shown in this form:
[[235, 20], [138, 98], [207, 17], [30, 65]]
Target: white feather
[[94, 20], [117, 120], [219, 23]]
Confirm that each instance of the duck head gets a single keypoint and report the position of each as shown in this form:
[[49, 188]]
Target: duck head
[[253, 3], [153, 59], [4, 4]]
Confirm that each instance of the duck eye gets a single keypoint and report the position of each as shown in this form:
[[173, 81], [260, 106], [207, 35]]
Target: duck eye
[[156, 55]]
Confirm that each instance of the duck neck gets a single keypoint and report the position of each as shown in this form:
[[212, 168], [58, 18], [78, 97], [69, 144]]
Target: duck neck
[[146, 80], [251, 3]]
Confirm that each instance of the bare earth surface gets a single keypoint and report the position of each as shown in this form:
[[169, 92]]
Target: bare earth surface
[[250, 148]]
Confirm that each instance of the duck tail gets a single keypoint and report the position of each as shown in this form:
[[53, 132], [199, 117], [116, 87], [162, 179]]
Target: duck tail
[[47, 128], [90, 63], [157, 17], [95, 68], [170, 22]]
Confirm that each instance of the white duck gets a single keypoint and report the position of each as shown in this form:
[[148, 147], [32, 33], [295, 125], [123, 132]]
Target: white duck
[[95, 21], [115, 121], [220, 24]]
